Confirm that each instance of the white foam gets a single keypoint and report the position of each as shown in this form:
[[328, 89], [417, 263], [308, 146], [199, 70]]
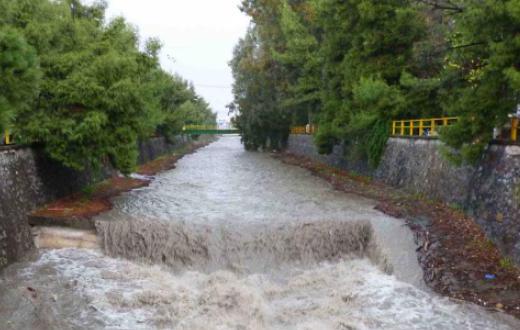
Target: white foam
[[350, 294]]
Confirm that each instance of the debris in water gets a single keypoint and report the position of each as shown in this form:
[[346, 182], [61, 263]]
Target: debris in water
[[33, 292]]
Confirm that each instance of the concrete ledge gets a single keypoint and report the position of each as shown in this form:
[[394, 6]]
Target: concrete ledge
[[59, 238]]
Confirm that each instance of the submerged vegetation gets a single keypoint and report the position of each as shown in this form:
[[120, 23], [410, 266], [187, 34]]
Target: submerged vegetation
[[351, 66], [84, 88]]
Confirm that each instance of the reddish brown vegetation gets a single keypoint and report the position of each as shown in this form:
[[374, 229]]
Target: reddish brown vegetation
[[86, 205], [453, 250], [158, 165]]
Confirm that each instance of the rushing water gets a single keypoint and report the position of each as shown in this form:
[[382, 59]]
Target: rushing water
[[235, 240]]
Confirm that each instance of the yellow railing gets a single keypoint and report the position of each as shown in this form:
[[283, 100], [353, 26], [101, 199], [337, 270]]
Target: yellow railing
[[301, 130], [6, 138], [421, 127], [515, 127]]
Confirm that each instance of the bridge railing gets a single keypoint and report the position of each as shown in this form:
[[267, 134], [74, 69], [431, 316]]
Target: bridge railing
[[208, 130], [421, 127], [515, 127], [6, 138], [304, 130]]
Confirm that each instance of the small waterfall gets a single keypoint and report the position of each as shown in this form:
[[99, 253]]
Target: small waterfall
[[241, 248]]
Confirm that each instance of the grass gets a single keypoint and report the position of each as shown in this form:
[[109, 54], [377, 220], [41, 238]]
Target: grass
[[507, 264], [516, 193], [457, 207]]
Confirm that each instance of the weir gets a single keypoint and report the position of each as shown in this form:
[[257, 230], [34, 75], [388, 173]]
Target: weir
[[257, 248]]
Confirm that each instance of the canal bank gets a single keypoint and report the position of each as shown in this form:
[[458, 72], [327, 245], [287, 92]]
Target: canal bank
[[239, 240], [489, 190], [30, 180], [459, 257]]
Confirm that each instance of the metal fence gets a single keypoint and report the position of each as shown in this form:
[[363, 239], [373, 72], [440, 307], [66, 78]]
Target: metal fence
[[304, 130], [421, 127], [6, 138], [515, 127]]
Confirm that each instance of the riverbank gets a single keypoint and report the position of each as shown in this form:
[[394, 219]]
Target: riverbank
[[78, 210], [457, 258]]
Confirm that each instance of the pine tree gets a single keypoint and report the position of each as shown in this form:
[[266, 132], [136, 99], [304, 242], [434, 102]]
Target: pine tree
[[19, 74]]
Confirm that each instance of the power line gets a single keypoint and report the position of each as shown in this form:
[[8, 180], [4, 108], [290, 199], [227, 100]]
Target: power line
[[213, 86]]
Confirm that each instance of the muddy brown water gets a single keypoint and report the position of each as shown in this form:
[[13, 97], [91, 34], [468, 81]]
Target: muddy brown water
[[235, 240]]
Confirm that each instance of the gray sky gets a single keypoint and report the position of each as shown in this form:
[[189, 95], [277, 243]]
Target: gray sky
[[198, 34]]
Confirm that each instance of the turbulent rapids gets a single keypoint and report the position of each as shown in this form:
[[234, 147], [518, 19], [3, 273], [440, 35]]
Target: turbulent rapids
[[236, 240]]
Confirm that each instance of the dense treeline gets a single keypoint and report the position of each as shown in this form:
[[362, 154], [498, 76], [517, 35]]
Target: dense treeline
[[82, 87], [351, 66]]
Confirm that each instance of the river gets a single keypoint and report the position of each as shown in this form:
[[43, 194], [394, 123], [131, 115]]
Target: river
[[236, 240]]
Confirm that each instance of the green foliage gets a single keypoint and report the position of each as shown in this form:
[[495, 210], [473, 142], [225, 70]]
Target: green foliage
[[301, 65], [19, 74], [482, 74], [353, 66], [99, 93], [262, 121], [375, 103], [507, 264], [340, 66]]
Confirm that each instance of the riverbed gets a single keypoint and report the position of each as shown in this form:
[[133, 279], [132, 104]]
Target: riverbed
[[236, 240]]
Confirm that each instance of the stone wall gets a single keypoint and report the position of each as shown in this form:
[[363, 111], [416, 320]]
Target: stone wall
[[304, 145], [417, 165], [153, 148], [29, 180], [490, 190], [20, 191], [494, 197]]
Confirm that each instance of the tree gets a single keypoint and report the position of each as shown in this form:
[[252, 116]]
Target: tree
[[99, 92], [366, 56], [261, 120], [355, 65], [482, 75], [300, 60], [320, 60], [19, 74]]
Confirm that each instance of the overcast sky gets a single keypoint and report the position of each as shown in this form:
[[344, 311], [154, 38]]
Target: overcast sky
[[198, 38]]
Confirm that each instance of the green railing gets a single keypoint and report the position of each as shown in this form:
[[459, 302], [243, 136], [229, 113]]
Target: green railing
[[208, 130]]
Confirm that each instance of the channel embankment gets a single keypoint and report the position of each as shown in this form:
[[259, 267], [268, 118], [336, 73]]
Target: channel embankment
[[488, 191], [41, 198], [466, 219]]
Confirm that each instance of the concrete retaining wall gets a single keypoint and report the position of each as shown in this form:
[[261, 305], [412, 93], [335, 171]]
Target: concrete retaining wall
[[303, 145], [29, 180], [494, 197], [490, 190], [417, 165]]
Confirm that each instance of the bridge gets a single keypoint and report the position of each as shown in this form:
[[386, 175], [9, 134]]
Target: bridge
[[208, 130]]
